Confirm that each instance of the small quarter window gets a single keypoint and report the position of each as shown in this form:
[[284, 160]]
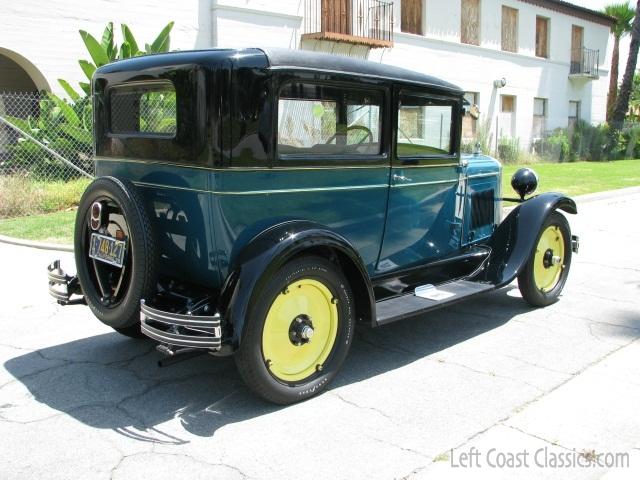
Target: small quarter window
[[424, 127], [322, 120], [144, 109]]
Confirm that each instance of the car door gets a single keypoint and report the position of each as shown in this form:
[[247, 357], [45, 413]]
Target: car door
[[422, 224]]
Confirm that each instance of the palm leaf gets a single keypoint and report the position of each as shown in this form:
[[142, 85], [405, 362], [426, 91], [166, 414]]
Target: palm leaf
[[78, 134], [127, 34], [73, 95], [88, 68], [98, 54], [70, 116], [161, 43], [125, 50], [107, 41], [86, 88]]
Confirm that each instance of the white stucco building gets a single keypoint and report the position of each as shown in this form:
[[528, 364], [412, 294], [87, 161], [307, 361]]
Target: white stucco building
[[554, 56]]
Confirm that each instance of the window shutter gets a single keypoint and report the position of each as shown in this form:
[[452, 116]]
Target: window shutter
[[470, 22]]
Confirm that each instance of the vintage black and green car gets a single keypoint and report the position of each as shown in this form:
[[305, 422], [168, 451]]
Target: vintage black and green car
[[261, 202]]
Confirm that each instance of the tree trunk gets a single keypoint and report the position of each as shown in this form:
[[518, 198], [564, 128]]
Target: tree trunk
[[622, 102], [613, 78]]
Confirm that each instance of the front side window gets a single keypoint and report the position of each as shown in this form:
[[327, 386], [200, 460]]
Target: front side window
[[324, 120], [144, 109], [424, 127]]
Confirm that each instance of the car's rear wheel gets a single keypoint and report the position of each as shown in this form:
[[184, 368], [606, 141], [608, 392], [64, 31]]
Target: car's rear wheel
[[298, 332], [111, 208], [546, 272]]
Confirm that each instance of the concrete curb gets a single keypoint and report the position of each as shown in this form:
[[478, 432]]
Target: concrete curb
[[33, 244], [590, 197]]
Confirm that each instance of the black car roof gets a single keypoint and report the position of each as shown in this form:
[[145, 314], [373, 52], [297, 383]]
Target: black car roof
[[287, 58], [281, 58]]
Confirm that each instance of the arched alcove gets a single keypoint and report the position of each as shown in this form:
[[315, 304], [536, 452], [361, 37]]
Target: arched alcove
[[19, 74]]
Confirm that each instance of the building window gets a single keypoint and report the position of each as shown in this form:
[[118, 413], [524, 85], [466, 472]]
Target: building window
[[577, 44], [470, 22], [507, 103], [574, 113], [470, 124], [323, 120], [507, 117], [509, 29], [411, 16], [542, 37], [539, 117], [424, 127]]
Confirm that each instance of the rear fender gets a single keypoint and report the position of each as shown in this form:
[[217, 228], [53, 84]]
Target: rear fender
[[267, 252], [514, 239]]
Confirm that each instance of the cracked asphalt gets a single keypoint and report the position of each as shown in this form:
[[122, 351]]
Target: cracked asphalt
[[80, 401]]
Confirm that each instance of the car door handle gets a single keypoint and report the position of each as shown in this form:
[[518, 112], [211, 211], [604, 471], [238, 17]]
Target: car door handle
[[400, 178]]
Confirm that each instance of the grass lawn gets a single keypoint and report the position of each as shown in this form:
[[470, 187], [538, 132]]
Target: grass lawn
[[578, 178], [49, 227], [571, 178]]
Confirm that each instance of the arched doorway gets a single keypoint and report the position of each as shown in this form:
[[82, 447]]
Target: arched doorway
[[17, 74], [20, 84]]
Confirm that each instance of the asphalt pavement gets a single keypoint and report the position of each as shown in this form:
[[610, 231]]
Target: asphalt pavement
[[488, 388]]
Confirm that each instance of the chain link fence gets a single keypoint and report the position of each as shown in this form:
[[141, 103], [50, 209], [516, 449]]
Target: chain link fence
[[46, 152]]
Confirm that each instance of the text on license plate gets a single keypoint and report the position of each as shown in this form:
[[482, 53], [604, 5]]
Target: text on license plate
[[107, 249]]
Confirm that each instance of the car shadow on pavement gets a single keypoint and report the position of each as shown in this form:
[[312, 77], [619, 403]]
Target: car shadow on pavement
[[111, 382]]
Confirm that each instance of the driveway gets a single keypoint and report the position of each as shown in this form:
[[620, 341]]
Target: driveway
[[414, 399]]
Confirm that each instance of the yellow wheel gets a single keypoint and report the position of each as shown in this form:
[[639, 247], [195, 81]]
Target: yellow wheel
[[298, 331], [545, 274], [549, 259]]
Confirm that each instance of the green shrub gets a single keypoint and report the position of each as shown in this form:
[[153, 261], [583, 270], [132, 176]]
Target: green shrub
[[556, 147], [589, 142], [509, 150], [21, 195]]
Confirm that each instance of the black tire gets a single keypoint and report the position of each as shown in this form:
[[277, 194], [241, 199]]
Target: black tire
[[139, 277], [529, 289], [249, 358]]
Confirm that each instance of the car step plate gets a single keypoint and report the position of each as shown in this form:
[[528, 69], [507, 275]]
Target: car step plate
[[426, 298]]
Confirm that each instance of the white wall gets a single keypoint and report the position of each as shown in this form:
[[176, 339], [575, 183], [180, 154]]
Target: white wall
[[474, 68], [48, 37], [46, 33]]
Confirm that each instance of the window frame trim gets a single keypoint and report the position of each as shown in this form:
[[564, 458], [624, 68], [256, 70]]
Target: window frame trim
[[434, 159], [159, 135], [331, 160]]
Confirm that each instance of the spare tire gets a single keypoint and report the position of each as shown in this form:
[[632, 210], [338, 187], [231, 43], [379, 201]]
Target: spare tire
[[113, 292]]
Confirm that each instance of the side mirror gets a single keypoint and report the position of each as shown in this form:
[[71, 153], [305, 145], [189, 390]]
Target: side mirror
[[524, 182]]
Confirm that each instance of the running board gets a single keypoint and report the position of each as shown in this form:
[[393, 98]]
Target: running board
[[427, 298]]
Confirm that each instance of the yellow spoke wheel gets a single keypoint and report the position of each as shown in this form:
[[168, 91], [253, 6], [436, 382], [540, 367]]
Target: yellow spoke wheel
[[549, 259], [543, 277], [300, 330]]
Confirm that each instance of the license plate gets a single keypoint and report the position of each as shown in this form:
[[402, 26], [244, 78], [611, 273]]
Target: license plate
[[107, 249]]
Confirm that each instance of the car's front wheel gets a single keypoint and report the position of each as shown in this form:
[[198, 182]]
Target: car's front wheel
[[298, 331], [545, 274]]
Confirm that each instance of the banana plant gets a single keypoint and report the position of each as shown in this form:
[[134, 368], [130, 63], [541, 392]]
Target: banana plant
[[106, 51]]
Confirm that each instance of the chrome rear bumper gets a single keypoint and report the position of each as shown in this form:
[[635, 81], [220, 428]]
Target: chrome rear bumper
[[181, 330], [62, 286]]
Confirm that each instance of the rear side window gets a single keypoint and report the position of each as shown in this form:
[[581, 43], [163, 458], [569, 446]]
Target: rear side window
[[324, 120], [425, 127], [144, 109]]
